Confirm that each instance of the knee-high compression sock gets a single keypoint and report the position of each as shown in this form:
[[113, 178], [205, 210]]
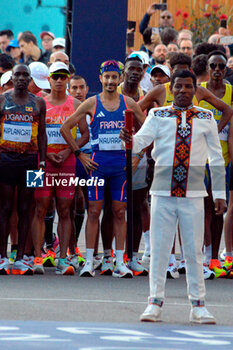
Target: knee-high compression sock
[[78, 221], [49, 218]]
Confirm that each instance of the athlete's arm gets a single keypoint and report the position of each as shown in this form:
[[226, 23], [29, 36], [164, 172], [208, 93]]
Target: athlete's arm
[[87, 107], [157, 94], [227, 111], [83, 127], [42, 137], [136, 109], [230, 140]]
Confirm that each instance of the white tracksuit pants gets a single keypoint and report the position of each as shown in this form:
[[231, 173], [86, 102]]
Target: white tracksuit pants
[[165, 211]]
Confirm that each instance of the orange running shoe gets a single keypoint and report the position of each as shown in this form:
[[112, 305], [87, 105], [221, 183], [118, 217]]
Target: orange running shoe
[[215, 266], [49, 258], [4, 266], [38, 266], [228, 263], [20, 267]]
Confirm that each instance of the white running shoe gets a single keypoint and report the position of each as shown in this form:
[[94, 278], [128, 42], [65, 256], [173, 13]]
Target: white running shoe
[[208, 274], [152, 313], [122, 271], [172, 271], [146, 261], [4, 266], [74, 261], [87, 270], [97, 261], [136, 267], [107, 266], [201, 315], [181, 267]]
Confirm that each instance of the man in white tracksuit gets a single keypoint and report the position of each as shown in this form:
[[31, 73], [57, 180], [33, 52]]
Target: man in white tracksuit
[[184, 137]]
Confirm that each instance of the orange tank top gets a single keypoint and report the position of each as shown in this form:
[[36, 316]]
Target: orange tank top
[[55, 117]]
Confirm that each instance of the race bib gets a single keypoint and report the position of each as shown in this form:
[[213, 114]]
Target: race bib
[[110, 142], [17, 131], [53, 134]]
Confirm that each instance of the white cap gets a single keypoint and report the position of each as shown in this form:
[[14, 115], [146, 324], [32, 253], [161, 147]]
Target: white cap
[[58, 66], [59, 42], [143, 55], [163, 68], [6, 77], [39, 74]]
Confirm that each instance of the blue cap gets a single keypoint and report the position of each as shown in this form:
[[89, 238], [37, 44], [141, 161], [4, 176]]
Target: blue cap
[[12, 43]]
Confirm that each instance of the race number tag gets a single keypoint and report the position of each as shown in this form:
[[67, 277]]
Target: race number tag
[[110, 142], [17, 131], [53, 134]]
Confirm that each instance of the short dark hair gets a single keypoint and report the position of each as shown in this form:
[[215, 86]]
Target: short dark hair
[[8, 33], [205, 49], [180, 58], [134, 58], [6, 61], [183, 74], [168, 35], [200, 64], [78, 77], [27, 37], [147, 35], [217, 53]]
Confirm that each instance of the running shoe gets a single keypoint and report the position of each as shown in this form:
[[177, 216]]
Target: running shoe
[[125, 258], [49, 258], [97, 261], [152, 313], [200, 314], [64, 267], [38, 267], [29, 259], [146, 261], [215, 266], [4, 266], [21, 267], [77, 251], [55, 244], [228, 263], [172, 271], [122, 271], [74, 261], [181, 267], [87, 270], [107, 266], [12, 257], [208, 274], [136, 267]]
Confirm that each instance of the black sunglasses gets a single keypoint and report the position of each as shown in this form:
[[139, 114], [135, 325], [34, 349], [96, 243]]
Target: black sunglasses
[[61, 76], [168, 17], [221, 66]]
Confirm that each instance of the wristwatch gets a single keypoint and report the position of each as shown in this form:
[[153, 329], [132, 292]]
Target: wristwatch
[[77, 152]]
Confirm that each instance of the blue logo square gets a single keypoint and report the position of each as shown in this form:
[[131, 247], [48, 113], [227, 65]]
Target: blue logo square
[[35, 178]]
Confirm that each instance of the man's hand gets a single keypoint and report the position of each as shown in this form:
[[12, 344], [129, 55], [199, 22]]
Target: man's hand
[[57, 161], [151, 9], [63, 155], [125, 136], [220, 206], [87, 162]]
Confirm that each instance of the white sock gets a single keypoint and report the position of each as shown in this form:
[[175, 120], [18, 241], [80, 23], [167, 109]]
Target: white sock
[[119, 257], [172, 259], [146, 236], [89, 254], [208, 254]]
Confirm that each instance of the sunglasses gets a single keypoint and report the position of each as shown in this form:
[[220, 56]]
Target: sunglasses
[[62, 76], [221, 66], [163, 17], [108, 63]]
